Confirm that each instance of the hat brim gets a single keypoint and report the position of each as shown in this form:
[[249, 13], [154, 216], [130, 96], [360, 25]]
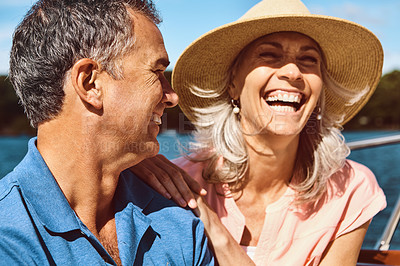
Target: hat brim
[[353, 57]]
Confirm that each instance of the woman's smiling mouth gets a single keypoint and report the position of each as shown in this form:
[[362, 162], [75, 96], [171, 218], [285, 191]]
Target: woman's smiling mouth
[[284, 101]]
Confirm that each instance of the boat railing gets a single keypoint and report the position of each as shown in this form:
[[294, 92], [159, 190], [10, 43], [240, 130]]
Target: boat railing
[[369, 143], [381, 254], [391, 226]]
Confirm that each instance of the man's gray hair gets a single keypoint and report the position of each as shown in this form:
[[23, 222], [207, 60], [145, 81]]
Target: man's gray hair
[[55, 34]]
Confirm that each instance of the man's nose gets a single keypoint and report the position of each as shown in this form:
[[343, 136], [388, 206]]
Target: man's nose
[[170, 98]]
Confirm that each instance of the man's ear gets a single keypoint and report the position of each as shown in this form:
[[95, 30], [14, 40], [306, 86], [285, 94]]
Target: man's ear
[[83, 77]]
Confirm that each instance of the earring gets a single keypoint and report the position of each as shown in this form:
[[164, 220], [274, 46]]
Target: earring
[[319, 115], [236, 108]]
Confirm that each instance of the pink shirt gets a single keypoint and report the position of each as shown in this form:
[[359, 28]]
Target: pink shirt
[[290, 235]]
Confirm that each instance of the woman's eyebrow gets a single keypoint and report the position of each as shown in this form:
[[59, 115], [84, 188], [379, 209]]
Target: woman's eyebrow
[[309, 47], [274, 44]]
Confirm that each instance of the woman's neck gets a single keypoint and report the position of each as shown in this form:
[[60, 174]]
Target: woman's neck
[[271, 162]]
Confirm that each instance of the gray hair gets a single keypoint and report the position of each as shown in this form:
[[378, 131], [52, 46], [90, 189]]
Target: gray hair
[[55, 34], [322, 150]]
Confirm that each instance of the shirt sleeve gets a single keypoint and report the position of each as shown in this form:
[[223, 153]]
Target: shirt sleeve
[[364, 199]]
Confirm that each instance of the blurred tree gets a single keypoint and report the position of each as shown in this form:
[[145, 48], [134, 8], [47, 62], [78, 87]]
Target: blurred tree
[[12, 118], [383, 109]]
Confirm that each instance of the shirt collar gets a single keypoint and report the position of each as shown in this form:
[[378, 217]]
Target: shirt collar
[[132, 199], [131, 189], [43, 194]]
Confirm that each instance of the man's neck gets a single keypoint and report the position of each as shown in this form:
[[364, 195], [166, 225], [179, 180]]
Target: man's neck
[[83, 173]]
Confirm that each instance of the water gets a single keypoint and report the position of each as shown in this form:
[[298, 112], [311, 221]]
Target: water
[[384, 161]]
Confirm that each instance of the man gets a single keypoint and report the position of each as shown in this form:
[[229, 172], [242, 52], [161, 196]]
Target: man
[[89, 74]]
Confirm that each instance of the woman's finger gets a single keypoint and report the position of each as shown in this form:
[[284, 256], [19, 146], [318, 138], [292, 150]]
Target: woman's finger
[[167, 176], [141, 171], [184, 183], [169, 180], [175, 174], [191, 183]]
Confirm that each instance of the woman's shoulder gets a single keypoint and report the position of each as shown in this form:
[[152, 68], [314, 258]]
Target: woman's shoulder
[[355, 195], [189, 163], [356, 187], [354, 175], [193, 166], [360, 170]]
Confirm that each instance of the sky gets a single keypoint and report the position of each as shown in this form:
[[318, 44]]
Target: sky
[[186, 20]]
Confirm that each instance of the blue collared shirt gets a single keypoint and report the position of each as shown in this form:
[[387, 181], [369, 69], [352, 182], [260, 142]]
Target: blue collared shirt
[[38, 226]]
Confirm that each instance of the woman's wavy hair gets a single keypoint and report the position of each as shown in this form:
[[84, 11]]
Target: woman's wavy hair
[[218, 139], [55, 34]]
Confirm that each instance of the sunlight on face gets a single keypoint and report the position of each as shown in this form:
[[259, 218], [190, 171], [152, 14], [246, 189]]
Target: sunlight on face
[[278, 81]]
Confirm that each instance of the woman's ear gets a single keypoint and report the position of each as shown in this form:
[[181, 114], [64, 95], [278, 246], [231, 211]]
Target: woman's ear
[[84, 74], [233, 90]]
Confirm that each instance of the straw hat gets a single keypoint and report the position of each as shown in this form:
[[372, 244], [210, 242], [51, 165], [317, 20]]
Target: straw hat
[[353, 55]]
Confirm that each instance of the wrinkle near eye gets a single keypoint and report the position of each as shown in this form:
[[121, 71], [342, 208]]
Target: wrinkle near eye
[[151, 79]]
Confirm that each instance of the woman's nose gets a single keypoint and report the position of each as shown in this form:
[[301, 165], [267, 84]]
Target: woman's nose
[[290, 72]]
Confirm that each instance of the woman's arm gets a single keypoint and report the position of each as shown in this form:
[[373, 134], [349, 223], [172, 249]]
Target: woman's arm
[[226, 250], [169, 180], [345, 249]]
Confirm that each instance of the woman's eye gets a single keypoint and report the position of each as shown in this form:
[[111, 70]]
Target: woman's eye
[[269, 55], [309, 60]]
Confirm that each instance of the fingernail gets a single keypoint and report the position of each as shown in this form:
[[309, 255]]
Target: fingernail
[[203, 192], [192, 204], [168, 196], [182, 202]]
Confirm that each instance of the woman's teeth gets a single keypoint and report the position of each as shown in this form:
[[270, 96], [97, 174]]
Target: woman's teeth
[[156, 119], [284, 102], [284, 98], [283, 108]]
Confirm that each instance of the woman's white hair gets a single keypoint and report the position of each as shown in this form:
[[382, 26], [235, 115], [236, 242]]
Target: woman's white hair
[[218, 139]]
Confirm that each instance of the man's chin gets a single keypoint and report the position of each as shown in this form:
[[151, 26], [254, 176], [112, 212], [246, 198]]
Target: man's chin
[[144, 149], [154, 150], [151, 148]]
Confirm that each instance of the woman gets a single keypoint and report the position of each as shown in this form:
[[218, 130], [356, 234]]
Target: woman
[[268, 95]]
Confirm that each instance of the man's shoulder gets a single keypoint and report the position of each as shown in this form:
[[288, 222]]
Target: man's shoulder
[[12, 202], [15, 222], [180, 234], [151, 202], [7, 184], [165, 215]]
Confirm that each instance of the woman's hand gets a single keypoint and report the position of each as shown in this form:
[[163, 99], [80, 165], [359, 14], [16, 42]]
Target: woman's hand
[[169, 180]]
